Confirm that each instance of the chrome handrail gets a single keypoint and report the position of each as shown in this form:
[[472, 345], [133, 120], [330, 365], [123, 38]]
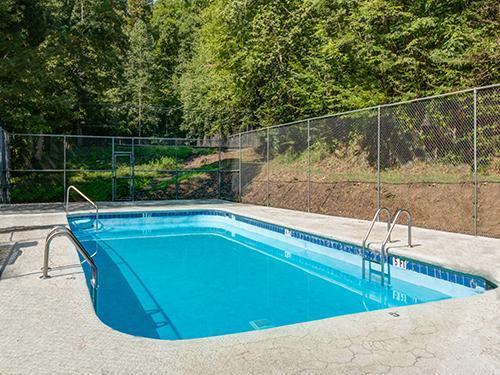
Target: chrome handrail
[[65, 231], [383, 251], [377, 214], [71, 187]]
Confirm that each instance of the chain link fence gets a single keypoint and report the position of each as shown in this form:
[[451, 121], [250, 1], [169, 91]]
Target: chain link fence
[[438, 157], [39, 168]]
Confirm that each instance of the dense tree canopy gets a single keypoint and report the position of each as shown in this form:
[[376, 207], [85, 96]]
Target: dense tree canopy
[[201, 67]]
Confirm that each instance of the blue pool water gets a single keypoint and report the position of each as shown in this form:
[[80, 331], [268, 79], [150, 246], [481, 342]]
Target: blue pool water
[[203, 274]]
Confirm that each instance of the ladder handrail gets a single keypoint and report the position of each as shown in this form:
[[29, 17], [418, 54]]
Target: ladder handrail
[[377, 215], [383, 251], [394, 222], [71, 187], [65, 231]]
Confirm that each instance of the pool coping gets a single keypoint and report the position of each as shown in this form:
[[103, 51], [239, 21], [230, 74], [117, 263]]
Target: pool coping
[[404, 340]]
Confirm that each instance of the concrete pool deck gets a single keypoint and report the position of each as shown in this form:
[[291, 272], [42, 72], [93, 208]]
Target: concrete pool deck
[[49, 326]]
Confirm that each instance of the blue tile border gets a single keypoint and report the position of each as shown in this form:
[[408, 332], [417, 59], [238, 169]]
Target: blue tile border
[[434, 271]]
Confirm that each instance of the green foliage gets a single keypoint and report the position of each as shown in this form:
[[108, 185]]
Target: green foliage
[[62, 56], [85, 48], [287, 59], [139, 66], [138, 10], [49, 187], [37, 187], [174, 24], [22, 81], [170, 67]]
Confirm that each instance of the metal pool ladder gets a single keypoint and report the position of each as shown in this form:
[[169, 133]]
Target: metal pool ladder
[[87, 199], [61, 231], [364, 251], [383, 251]]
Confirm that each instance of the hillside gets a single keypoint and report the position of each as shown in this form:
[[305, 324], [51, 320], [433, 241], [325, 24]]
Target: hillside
[[439, 197]]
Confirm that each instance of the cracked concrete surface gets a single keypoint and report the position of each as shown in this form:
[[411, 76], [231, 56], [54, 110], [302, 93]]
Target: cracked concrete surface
[[48, 326]]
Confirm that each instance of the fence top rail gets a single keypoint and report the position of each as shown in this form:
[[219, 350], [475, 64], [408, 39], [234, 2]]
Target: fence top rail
[[305, 120]]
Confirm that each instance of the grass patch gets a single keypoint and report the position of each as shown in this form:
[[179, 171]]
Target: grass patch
[[49, 186], [354, 167]]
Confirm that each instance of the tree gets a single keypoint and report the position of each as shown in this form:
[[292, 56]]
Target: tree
[[175, 24], [139, 88], [85, 45], [138, 10], [199, 66], [260, 63], [22, 80]]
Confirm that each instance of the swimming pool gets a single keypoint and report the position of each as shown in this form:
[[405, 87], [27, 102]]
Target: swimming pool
[[190, 274]]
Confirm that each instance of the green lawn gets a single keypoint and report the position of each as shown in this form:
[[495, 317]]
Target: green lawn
[[27, 187]]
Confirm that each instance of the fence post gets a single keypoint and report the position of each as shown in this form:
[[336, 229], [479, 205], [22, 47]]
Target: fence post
[[308, 165], [268, 140], [239, 168], [176, 169], [64, 167], [219, 173], [4, 194], [378, 157], [7, 166], [132, 171], [3, 184], [113, 170], [475, 161]]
